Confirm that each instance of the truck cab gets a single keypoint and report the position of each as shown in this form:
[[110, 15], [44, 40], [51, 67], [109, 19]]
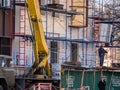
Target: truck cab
[[7, 73], [5, 61]]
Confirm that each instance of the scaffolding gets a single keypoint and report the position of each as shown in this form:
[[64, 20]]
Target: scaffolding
[[104, 11], [93, 14], [22, 28], [71, 24], [73, 13]]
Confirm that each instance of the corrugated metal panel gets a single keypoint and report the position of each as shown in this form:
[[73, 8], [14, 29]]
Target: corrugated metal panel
[[1, 25], [72, 79], [7, 23], [5, 46]]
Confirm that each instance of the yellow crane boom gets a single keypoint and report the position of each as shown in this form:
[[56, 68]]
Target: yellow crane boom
[[41, 51]]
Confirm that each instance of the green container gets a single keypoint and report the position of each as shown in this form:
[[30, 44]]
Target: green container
[[71, 79]]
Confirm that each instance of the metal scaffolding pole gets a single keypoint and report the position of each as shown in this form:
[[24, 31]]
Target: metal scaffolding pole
[[66, 33]]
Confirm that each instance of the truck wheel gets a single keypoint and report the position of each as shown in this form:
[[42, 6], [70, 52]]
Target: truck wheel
[[3, 85], [1, 88]]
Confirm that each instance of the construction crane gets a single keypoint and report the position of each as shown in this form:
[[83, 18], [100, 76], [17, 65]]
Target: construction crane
[[40, 67], [40, 70]]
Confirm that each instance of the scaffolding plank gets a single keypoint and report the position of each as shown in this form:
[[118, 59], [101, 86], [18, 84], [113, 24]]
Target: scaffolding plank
[[46, 8]]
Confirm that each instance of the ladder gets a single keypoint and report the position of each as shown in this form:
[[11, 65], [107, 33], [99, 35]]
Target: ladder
[[22, 40], [97, 29]]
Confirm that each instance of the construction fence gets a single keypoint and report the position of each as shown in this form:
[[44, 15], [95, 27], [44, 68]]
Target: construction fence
[[74, 80]]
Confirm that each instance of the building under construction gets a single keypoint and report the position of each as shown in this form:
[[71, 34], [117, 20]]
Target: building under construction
[[74, 30]]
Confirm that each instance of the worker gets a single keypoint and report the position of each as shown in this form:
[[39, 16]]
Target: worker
[[101, 52], [102, 84]]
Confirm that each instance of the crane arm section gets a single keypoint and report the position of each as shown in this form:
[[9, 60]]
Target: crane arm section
[[39, 42]]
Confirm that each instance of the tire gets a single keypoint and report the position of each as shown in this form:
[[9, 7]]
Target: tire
[[1, 88], [3, 85]]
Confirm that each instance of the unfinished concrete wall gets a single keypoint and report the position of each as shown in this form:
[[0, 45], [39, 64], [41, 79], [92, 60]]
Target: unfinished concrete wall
[[87, 54]]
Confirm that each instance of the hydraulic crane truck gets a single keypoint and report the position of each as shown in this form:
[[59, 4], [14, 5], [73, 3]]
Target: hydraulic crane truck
[[40, 67], [40, 71]]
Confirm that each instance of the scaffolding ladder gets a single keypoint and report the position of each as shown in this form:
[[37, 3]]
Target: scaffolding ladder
[[97, 29], [22, 40]]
